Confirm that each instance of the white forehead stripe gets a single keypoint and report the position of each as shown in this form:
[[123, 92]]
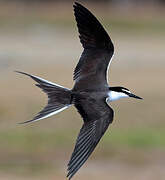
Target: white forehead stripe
[[126, 90]]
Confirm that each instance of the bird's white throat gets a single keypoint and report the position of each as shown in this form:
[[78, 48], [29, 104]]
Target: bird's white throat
[[113, 95]]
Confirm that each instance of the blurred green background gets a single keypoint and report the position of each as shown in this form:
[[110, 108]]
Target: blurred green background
[[41, 38]]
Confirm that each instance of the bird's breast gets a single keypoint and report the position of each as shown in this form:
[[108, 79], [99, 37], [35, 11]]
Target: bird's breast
[[113, 96]]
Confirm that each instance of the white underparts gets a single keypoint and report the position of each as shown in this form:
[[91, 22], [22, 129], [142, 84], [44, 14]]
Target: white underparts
[[113, 95]]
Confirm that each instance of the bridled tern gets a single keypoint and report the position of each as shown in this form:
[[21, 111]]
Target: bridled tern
[[91, 91]]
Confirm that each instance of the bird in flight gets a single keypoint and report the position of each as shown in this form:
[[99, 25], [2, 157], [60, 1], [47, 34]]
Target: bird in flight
[[91, 91]]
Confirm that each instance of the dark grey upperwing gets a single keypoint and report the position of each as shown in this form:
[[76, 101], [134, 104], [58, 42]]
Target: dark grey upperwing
[[97, 116], [98, 50]]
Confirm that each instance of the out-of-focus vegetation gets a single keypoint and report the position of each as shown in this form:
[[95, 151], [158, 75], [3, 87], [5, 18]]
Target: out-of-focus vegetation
[[42, 39]]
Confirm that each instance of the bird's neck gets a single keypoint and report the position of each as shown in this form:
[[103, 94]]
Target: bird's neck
[[114, 95]]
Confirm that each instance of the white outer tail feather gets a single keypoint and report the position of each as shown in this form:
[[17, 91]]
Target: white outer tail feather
[[58, 98], [51, 114]]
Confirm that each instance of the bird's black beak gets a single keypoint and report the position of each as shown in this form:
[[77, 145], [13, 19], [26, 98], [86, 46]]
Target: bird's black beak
[[134, 96]]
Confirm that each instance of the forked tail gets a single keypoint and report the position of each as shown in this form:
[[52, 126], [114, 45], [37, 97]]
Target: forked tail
[[59, 98]]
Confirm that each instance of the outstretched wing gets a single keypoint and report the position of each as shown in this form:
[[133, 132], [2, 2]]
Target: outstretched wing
[[98, 49], [97, 117]]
